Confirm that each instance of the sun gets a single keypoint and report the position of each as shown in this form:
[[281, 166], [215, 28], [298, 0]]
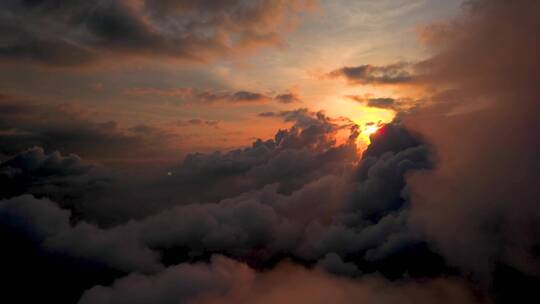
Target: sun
[[368, 130]]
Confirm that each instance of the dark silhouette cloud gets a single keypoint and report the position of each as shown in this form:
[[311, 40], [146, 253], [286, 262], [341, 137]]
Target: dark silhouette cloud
[[288, 98], [195, 96], [397, 73], [197, 122], [396, 104], [62, 178], [25, 124]]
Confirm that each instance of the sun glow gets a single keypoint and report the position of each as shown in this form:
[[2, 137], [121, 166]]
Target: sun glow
[[370, 130]]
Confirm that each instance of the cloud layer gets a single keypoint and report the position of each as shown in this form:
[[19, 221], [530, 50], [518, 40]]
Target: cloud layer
[[440, 207], [79, 32]]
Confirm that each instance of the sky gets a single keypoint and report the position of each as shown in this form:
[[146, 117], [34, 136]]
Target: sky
[[270, 151], [306, 40]]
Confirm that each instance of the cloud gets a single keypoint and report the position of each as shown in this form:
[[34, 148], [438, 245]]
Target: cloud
[[65, 179], [197, 122], [195, 96], [300, 195], [267, 114], [80, 32], [44, 220], [24, 124], [478, 205], [389, 103], [333, 263], [209, 97], [396, 73], [227, 281], [449, 189], [288, 98]]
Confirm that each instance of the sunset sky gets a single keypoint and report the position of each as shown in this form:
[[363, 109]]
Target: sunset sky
[[287, 49], [270, 151]]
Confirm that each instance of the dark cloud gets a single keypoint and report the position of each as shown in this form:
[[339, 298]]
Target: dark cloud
[[288, 98], [227, 281], [400, 104], [196, 96], [62, 178], [300, 195], [267, 114], [303, 153], [391, 138], [208, 97], [197, 122], [397, 73], [24, 124], [66, 34], [51, 226], [247, 96], [333, 263], [404, 222], [479, 205]]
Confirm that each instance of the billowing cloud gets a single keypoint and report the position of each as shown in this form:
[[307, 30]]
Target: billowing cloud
[[300, 195], [479, 204], [226, 281], [440, 207], [72, 129], [62, 178], [75, 33]]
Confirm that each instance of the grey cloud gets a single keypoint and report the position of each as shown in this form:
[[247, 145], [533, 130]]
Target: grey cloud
[[197, 122], [209, 97], [333, 208], [381, 102], [267, 114], [27, 124], [397, 73], [179, 284], [225, 281], [333, 263], [61, 178], [484, 127], [79, 32], [299, 195], [288, 98], [117, 247]]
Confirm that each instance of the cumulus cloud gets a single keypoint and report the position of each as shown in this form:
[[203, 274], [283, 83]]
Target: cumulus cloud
[[51, 226], [79, 32], [300, 195], [227, 281], [64, 179], [263, 208], [449, 185], [72, 129]]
